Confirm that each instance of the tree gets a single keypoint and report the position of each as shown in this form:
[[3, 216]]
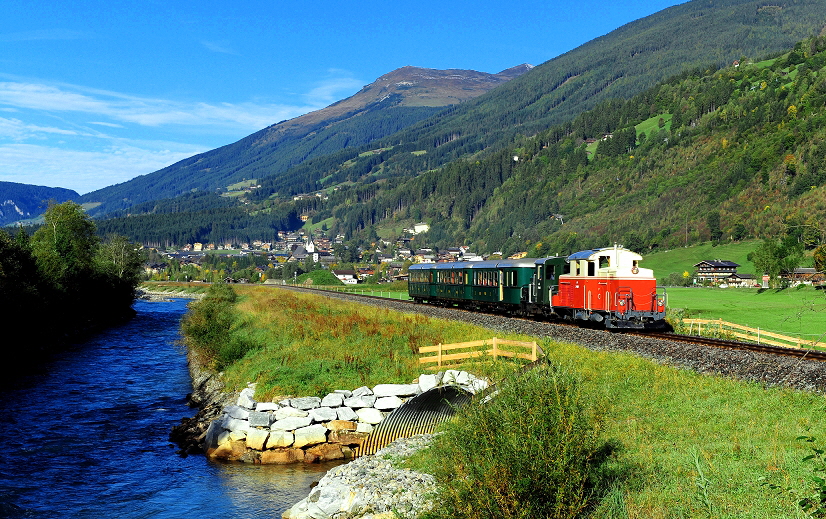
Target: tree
[[713, 221], [64, 247], [820, 258], [774, 257]]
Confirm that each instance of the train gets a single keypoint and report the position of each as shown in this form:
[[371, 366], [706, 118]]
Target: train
[[603, 287]]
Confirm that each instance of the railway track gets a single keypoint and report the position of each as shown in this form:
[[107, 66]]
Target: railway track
[[798, 353]]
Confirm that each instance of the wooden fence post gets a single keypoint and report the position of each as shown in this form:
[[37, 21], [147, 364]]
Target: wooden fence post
[[495, 348], [533, 352], [440, 355]]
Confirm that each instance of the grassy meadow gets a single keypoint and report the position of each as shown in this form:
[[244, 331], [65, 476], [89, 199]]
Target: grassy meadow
[[799, 312], [684, 444]]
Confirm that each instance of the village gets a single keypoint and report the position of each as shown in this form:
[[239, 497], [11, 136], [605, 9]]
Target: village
[[297, 252]]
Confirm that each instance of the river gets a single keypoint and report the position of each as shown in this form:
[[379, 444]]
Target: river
[[88, 436]]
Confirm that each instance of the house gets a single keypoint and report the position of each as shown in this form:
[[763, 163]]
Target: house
[[740, 280], [714, 271], [803, 276], [348, 277]]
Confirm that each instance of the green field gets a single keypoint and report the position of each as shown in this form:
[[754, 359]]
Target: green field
[[791, 311]]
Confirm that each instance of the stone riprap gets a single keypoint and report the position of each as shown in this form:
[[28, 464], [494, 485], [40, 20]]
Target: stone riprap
[[370, 487], [310, 428]]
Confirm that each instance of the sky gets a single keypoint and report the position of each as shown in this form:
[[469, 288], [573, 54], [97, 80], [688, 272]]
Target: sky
[[94, 93]]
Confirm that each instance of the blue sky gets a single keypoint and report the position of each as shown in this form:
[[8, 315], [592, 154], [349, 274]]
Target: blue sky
[[94, 93]]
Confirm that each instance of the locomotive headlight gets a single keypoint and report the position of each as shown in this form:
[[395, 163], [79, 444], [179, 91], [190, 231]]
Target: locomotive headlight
[[622, 303]]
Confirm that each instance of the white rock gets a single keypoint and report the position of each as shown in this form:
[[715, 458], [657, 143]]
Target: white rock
[[215, 429], [237, 435], [291, 423], [245, 399], [369, 415], [388, 403], [357, 402], [256, 438], [382, 390], [323, 414], [463, 378], [305, 403], [346, 392], [224, 437], [363, 390], [234, 424], [237, 412], [310, 435], [477, 384], [364, 427], [427, 382], [332, 400], [279, 439], [346, 413], [267, 406], [286, 412], [449, 377]]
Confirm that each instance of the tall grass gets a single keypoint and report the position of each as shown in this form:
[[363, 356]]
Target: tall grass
[[534, 450], [295, 343]]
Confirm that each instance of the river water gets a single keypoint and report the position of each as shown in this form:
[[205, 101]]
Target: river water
[[88, 437]]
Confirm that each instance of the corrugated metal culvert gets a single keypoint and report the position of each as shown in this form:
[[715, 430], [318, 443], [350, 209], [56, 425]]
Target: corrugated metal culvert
[[419, 415]]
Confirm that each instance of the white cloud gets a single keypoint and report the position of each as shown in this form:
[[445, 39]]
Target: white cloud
[[222, 46], [153, 112], [329, 90], [71, 136], [85, 171], [110, 125], [17, 130]]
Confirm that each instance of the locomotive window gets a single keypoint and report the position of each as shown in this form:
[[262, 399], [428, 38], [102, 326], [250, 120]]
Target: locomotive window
[[604, 262], [592, 265], [550, 272]]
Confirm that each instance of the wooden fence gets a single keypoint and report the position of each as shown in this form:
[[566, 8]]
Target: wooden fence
[[750, 334], [472, 350]]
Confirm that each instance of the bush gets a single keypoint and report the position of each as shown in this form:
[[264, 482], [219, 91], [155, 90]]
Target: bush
[[532, 451], [208, 324]]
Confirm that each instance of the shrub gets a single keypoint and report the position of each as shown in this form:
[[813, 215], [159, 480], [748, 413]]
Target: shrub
[[208, 324], [532, 451]]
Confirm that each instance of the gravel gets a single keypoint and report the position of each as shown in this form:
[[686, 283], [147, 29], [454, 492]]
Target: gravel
[[766, 369]]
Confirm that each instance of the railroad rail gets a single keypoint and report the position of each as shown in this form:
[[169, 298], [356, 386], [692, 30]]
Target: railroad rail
[[801, 353]]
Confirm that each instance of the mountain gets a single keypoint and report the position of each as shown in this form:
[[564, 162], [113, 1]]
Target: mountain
[[701, 34], [24, 201], [456, 169], [389, 104]]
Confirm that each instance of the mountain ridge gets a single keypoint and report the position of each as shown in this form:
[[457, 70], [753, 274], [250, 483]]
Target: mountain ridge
[[394, 100], [23, 201]]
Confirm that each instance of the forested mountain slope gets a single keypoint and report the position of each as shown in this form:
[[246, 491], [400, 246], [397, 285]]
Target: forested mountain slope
[[728, 154], [708, 155], [389, 104], [23, 201], [618, 65]]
